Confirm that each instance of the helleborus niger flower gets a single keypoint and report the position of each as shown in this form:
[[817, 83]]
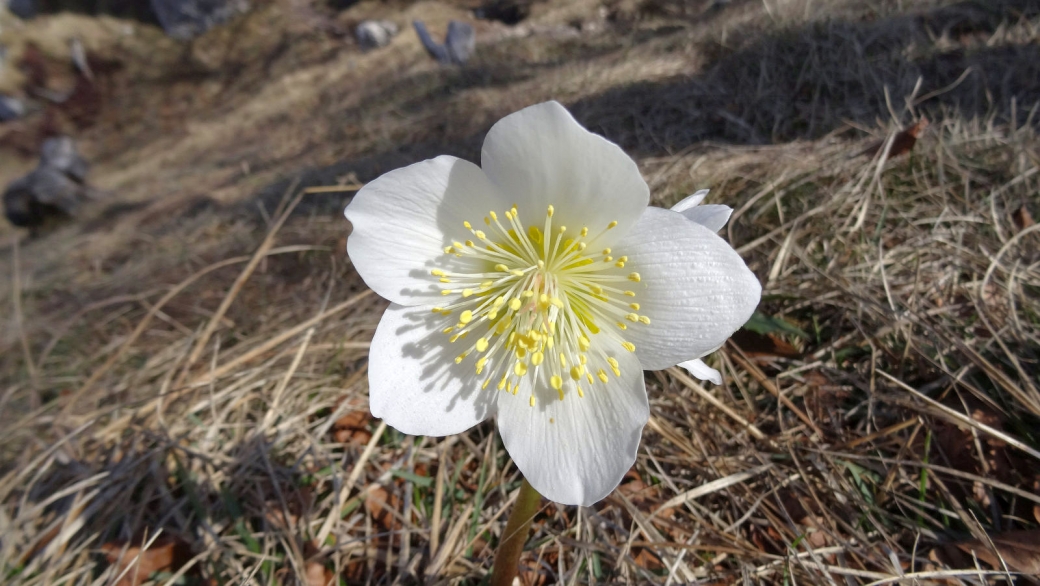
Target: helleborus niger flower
[[536, 289]]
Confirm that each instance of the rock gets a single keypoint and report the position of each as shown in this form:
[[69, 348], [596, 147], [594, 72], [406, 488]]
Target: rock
[[24, 9], [54, 190], [186, 19], [372, 34], [459, 44], [60, 153], [460, 41], [10, 108]]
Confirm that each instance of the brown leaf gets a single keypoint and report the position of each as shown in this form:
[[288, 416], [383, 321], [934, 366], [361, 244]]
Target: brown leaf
[[902, 143], [1022, 218], [166, 553], [1019, 549], [380, 504], [316, 574], [353, 427]]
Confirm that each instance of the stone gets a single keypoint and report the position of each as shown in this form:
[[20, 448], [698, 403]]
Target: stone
[[459, 43], [372, 34], [10, 108], [24, 9], [54, 190], [187, 19]]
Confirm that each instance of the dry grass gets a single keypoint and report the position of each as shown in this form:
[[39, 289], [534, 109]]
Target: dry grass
[[190, 372]]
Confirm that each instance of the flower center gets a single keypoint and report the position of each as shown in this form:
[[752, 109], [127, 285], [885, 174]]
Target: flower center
[[537, 302]]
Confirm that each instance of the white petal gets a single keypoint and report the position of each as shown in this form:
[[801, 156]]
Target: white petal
[[712, 217], [691, 201], [577, 450], [694, 287], [541, 156], [403, 220], [702, 371], [415, 384]]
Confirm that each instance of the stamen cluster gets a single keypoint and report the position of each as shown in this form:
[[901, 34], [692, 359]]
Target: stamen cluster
[[535, 302]]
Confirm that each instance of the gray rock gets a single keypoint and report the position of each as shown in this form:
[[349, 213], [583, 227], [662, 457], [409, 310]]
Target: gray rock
[[24, 9], [55, 189], [459, 44], [10, 108], [372, 34], [187, 19]]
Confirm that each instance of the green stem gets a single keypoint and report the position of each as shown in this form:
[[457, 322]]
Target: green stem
[[507, 558]]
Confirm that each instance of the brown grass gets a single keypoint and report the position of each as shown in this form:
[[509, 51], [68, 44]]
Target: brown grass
[[187, 364]]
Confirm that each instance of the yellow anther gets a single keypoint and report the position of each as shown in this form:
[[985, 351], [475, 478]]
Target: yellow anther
[[486, 382], [588, 377], [644, 320], [612, 225], [634, 277], [602, 376], [480, 363], [630, 293], [448, 250], [482, 344], [583, 359], [493, 314], [448, 330], [467, 225], [562, 229], [460, 358], [466, 316], [628, 346], [486, 284], [634, 306], [621, 325], [632, 317], [557, 302], [498, 301], [501, 268], [606, 251], [581, 394], [437, 309], [527, 294], [563, 359], [608, 258], [516, 388], [520, 368], [502, 383], [515, 304], [537, 358], [437, 273], [467, 292], [516, 273], [494, 216], [457, 245], [556, 382], [559, 393], [596, 289], [487, 220], [576, 371], [444, 280], [531, 402], [583, 343], [470, 243], [551, 210], [584, 231], [620, 264], [480, 234]]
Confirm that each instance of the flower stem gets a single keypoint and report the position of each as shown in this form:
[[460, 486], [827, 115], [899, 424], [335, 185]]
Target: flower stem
[[507, 558]]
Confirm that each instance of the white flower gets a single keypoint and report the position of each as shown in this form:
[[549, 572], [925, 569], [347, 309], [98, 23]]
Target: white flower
[[536, 289]]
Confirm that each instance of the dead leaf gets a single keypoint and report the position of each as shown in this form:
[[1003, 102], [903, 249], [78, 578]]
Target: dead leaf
[[380, 503], [1022, 218], [353, 427], [167, 553], [901, 144], [1020, 550]]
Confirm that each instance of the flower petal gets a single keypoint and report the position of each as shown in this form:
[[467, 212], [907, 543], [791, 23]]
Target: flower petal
[[694, 287], [415, 384], [702, 371], [691, 201], [576, 450], [403, 220], [712, 217], [541, 156]]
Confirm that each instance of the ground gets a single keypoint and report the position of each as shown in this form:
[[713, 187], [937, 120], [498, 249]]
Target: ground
[[183, 393]]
